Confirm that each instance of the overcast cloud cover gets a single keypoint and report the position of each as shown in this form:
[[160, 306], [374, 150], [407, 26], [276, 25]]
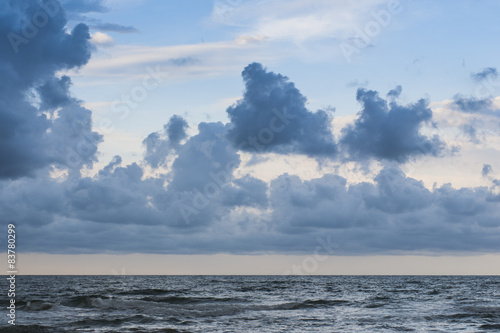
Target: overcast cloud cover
[[185, 194]]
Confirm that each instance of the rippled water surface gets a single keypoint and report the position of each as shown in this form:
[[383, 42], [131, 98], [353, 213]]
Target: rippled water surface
[[256, 304]]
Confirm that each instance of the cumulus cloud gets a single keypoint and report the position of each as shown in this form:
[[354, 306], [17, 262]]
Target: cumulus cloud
[[272, 117], [160, 145], [389, 131], [199, 201], [54, 93], [396, 212], [28, 137]]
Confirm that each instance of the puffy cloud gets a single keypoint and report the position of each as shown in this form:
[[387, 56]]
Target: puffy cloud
[[30, 57], [102, 39], [54, 93], [396, 213], [247, 191], [201, 203], [390, 132], [204, 158], [160, 145], [272, 117], [176, 129], [72, 141]]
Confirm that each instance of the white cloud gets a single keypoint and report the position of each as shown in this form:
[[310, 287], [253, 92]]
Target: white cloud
[[294, 19], [102, 39]]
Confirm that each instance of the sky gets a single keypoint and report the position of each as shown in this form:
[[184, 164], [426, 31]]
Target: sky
[[259, 136]]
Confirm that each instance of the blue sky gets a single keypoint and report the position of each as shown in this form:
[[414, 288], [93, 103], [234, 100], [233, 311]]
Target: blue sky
[[251, 127]]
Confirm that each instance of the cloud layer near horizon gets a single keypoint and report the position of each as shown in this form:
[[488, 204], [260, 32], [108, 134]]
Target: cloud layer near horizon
[[193, 202]]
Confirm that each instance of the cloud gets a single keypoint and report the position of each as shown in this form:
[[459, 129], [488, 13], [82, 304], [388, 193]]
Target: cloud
[[54, 93], [83, 6], [487, 170], [394, 93], [357, 83], [113, 27], [28, 140], [272, 117], [470, 131], [395, 214], [486, 73], [202, 158], [472, 104], [200, 200], [294, 20], [102, 39], [389, 131], [160, 145]]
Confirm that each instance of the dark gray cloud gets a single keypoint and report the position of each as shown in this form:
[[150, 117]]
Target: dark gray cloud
[[272, 117], [486, 73], [394, 93], [34, 46], [113, 27], [247, 191], [176, 129], [54, 93], [394, 214], [472, 104], [389, 131]]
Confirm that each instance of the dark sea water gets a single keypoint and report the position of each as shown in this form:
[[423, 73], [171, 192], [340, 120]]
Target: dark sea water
[[256, 304]]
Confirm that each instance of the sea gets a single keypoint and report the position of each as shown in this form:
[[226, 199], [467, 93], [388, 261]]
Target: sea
[[205, 304]]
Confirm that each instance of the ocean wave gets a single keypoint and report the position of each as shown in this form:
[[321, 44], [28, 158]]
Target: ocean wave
[[302, 305], [85, 302], [138, 319], [31, 329], [148, 291], [191, 300]]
